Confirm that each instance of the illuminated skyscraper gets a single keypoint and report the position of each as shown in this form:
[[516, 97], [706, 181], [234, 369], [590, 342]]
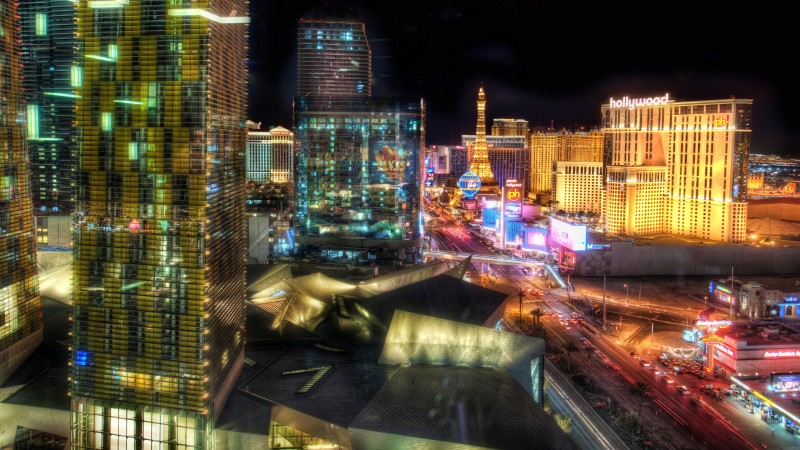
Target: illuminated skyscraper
[[677, 167], [359, 162], [159, 259], [333, 58], [20, 305], [48, 51]]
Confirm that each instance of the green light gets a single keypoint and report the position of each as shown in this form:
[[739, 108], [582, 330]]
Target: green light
[[59, 94], [128, 102], [100, 58], [33, 122], [41, 24], [106, 121], [76, 76]]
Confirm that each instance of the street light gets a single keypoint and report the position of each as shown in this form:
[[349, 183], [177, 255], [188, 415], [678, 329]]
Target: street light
[[626, 295]]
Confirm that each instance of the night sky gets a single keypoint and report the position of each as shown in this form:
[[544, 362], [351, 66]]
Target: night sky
[[546, 62]]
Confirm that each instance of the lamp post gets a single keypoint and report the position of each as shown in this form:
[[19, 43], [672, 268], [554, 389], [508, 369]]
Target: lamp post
[[520, 294], [626, 295]]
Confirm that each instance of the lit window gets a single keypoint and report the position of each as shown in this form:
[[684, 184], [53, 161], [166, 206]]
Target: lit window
[[41, 24], [106, 121], [76, 76]]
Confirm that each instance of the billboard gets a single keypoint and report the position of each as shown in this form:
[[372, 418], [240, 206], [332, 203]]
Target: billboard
[[567, 235], [784, 382]]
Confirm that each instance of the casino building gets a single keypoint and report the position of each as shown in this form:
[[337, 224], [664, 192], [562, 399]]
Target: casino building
[[677, 167]]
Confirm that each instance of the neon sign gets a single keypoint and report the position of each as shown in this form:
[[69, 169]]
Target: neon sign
[[631, 104], [725, 349], [782, 354], [714, 323]]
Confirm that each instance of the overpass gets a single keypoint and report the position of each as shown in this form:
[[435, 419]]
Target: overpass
[[502, 260]]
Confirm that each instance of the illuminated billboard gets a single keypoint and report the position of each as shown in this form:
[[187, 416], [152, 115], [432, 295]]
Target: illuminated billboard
[[785, 382], [572, 237]]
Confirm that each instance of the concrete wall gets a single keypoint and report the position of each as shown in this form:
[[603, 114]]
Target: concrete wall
[[627, 259]]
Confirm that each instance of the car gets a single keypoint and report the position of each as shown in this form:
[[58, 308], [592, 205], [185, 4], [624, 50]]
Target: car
[[644, 363], [668, 380], [683, 390]]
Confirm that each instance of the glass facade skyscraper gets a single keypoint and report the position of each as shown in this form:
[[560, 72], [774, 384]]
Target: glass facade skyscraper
[[48, 51], [20, 304], [359, 161], [333, 58], [359, 166], [159, 257]]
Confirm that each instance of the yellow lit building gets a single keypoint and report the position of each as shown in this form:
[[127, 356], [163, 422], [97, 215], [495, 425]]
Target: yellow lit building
[[550, 146], [158, 297], [20, 306], [677, 167], [578, 186]]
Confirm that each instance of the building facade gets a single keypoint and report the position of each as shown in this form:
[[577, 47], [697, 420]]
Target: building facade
[[333, 58], [159, 260], [20, 305], [49, 81], [359, 169], [270, 156], [677, 167], [359, 158], [578, 187], [570, 146]]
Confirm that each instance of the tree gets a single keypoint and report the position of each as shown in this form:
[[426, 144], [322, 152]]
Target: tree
[[569, 348], [564, 422], [640, 390], [537, 316], [589, 353]]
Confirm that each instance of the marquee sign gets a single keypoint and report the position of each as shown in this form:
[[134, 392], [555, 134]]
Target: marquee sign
[[782, 354]]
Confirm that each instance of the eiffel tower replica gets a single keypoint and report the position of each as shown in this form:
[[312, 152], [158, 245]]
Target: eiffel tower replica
[[480, 155]]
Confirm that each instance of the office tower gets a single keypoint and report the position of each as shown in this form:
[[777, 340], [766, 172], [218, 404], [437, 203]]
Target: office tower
[[333, 58], [48, 50], [359, 162], [270, 156], [479, 163], [359, 170], [563, 145], [578, 187], [678, 167], [159, 259], [20, 304]]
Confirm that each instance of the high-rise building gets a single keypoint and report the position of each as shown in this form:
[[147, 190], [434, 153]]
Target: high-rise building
[[360, 158], [270, 156], [563, 145], [510, 127], [333, 58], [20, 304], [159, 258], [359, 170], [677, 167], [578, 187], [48, 81]]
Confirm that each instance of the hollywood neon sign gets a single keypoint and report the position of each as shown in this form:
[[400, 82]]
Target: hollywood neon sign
[[633, 103], [782, 354]]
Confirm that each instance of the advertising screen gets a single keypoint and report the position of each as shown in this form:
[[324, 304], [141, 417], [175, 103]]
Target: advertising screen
[[785, 382], [568, 235]]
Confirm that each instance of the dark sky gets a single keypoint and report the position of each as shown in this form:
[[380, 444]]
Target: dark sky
[[547, 61]]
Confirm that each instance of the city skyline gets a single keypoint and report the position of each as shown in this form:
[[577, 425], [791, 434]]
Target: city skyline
[[524, 56]]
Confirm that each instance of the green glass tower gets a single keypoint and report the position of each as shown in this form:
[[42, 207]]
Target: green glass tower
[[159, 257], [20, 304]]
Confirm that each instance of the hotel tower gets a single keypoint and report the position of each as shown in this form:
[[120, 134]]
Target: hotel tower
[[20, 304], [359, 158], [677, 167], [158, 324], [49, 78]]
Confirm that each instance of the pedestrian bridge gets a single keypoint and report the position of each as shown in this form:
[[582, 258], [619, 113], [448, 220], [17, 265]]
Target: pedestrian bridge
[[503, 260]]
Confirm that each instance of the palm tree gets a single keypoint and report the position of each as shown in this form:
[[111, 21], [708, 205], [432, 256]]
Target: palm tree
[[589, 353], [537, 316], [564, 422], [570, 347], [640, 390]]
